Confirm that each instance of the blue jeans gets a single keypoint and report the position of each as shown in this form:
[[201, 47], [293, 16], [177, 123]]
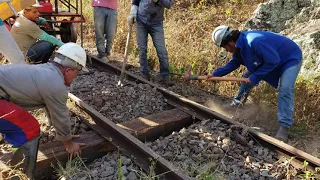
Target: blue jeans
[[286, 95], [40, 52], [157, 34], [105, 28], [243, 91]]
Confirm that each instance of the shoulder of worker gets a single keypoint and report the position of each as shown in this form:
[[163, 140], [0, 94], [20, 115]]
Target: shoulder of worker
[[51, 78], [47, 77], [25, 22]]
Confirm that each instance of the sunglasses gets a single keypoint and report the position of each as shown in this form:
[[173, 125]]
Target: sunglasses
[[224, 42]]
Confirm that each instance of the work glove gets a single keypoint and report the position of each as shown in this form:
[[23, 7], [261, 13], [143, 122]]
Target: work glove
[[133, 15]]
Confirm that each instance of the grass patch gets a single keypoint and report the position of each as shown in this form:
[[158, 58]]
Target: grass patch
[[73, 167]]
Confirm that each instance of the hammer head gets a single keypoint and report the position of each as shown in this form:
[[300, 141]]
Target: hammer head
[[187, 74]]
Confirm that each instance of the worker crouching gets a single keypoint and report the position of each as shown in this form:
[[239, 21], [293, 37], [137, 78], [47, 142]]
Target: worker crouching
[[25, 87], [35, 43]]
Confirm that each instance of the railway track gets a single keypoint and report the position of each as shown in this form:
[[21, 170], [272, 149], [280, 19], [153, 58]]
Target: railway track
[[129, 136]]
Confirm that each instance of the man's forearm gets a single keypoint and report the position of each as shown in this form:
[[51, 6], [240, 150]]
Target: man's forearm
[[41, 20], [46, 37]]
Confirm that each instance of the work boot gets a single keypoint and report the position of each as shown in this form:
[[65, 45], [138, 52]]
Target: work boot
[[234, 104], [26, 157], [282, 134], [105, 59], [157, 77], [167, 81], [146, 77]]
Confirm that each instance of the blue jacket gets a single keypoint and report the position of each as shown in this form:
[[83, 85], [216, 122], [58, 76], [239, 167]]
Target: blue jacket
[[1, 23], [151, 12], [265, 54]]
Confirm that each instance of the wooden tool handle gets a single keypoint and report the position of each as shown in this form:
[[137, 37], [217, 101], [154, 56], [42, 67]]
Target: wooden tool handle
[[188, 69], [222, 79], [227, 79], [187, 74]]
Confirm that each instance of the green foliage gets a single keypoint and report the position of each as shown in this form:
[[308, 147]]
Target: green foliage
[[74, 166], [308, 174], [171, 68], [151, 175], [206, 176], [211, 176], [120, 174]]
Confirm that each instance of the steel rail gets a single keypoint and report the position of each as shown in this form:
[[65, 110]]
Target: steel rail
[[201, 112], [128, 144]]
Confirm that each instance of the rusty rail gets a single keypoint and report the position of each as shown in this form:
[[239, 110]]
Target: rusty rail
[[128, 144]]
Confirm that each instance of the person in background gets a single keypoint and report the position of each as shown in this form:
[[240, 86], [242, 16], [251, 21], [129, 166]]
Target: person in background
[[35, 43], [149, 16], [105, 26], [28, 87], [267, 56]]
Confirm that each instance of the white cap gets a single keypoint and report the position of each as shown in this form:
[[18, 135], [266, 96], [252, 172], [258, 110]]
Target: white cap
[[36, 5], [220, 33], [74, 52]]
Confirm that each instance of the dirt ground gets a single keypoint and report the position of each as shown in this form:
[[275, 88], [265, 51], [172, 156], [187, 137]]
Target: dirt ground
[[264, 118]]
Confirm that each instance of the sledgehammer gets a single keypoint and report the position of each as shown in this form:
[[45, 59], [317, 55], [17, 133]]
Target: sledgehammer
[[188, 77]]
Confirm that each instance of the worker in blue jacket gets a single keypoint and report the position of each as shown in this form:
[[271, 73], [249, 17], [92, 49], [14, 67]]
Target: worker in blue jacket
[[149, 16], [268, 56]]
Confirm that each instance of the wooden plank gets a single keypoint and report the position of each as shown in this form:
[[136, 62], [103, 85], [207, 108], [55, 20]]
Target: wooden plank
[[52, 152], [160, 124]]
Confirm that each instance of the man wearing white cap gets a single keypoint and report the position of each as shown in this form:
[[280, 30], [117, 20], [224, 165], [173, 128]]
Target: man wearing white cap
[[35, 43], [26, 87]]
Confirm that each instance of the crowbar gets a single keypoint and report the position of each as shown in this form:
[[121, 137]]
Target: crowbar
[[125, 57]]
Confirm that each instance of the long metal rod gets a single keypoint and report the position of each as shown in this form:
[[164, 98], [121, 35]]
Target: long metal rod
[[12, 9], [81, 25], [125, 57], [195, 108]]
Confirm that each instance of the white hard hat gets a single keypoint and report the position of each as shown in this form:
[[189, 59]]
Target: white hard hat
[[74, 52], [220, 33]]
